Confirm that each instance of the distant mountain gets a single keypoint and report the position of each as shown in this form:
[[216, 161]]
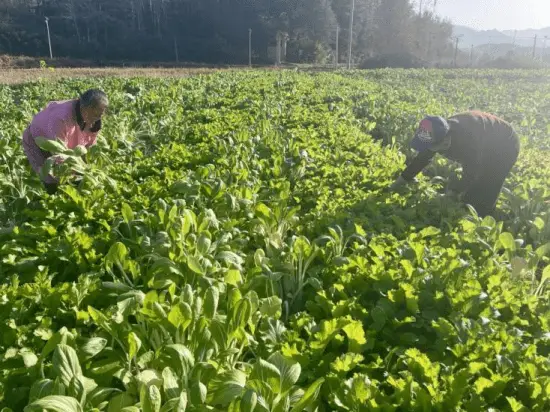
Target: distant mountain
[[521, 38], [529, 33]]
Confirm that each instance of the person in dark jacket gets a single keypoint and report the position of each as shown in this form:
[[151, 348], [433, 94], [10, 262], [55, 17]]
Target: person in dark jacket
[[485, 145]]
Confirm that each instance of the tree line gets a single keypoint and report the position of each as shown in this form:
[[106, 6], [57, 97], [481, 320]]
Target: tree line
[[217, 31]]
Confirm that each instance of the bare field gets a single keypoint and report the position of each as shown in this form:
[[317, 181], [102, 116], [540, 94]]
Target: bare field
[[15, 76]]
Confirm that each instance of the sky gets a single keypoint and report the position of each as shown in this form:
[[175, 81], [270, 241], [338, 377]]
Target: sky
[[496, 14]]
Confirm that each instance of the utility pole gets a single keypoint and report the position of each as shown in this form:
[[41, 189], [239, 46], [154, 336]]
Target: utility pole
[[456, 48], [350, 41], [430, 36], [176, 49], [535, 47], [249, 47], [337, 55], [278, 50], [472, 55], [49, 39], [420, 8]]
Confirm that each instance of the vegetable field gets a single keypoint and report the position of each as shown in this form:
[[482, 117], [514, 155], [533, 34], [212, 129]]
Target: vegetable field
[[233, 247]]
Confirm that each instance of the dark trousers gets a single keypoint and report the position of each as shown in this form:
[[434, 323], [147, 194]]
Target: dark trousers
[[483, 194], [51, 188]]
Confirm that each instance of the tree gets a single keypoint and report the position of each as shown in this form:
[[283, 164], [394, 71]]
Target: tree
[[216, 31]]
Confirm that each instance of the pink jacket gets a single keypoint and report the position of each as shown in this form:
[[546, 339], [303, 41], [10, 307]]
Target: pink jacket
[[60, 119]]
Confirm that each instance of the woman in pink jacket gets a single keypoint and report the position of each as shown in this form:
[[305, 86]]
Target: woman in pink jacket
[[75, 122]]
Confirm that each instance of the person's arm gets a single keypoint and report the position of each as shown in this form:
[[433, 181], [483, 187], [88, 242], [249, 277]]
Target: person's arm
[[55, 128], [417, 165], [94, 131]]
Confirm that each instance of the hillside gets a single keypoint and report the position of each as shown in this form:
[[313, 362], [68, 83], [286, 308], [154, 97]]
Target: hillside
[[522, 38]]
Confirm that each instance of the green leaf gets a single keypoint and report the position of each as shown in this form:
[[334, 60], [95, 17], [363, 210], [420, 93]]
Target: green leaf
[[150, 398], [233, 277], [91, 347], [429, 231], [543, 250], [203, 244], [327, 331], [182, 357], [545, 274], [356, 336], [65, 364], [29, 358], [47, 168], [249, 401], [54, 404], [150, 377], [195, 265], [170, 383], [309, 397], [117, 253], [515, 405], [100, 319], [189, 222], [507, 241], [188, 294], [271, 307], [41, 389], [61, 336], [211, 300], [58, 388], [77, 390], [476, 367], [134, 345], [100, 395], [228, 386], [267, 373], [230, 257], [178, 404], [182, 404], [346, 362], [181, 315], [359, 230], [263, 211], [289, 372], [127, 213], [240, 314], [481, 384], [198, 393], [539, 223], [121, 401], [52, 146], [281, 404]]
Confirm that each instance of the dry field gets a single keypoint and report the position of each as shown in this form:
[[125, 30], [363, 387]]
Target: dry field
[[15, 76]]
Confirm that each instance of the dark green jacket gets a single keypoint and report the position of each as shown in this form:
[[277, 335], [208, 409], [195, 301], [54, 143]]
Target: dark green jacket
[[478, 140]]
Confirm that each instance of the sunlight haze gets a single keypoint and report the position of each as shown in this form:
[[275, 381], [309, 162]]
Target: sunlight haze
[[497, 14]]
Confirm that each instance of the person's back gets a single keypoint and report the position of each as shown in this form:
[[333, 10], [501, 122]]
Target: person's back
[[486, 146], [477, 135]]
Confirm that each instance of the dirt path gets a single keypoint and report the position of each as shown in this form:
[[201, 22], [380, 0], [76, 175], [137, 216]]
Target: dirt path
[[14, 76]]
